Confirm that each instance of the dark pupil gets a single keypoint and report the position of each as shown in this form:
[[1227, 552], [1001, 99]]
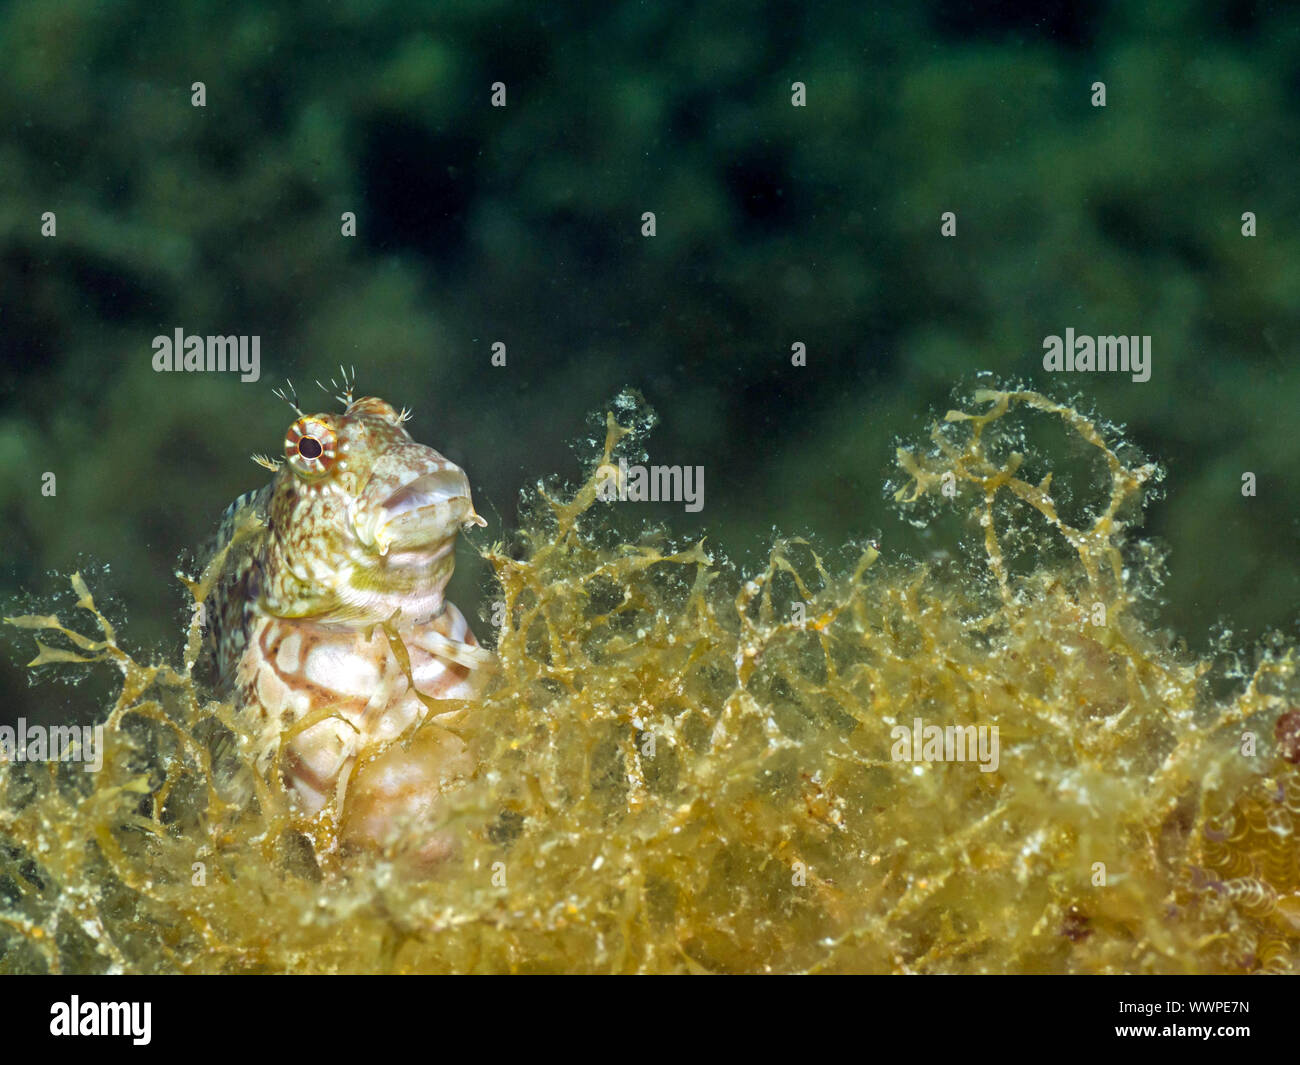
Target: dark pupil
[[309, 447]]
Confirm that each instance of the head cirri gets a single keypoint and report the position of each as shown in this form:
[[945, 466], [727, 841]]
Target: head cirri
[[361, 521]]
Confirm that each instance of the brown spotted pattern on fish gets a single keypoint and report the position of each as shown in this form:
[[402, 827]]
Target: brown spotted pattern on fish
[[327, 621]]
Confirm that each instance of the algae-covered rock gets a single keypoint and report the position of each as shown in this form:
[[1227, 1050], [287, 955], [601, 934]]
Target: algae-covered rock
[[989, 763]]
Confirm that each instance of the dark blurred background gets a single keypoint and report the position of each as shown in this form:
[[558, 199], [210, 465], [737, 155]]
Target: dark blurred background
[[775, 225]]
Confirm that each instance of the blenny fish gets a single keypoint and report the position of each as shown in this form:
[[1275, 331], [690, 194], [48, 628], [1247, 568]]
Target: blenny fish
[[326, 621]]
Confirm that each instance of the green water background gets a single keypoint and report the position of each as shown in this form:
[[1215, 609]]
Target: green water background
[[775, 225]]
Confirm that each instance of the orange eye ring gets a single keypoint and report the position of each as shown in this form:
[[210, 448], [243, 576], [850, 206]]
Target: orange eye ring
[[311, 447]]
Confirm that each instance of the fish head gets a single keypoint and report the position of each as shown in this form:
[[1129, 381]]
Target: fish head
[[362, 519]]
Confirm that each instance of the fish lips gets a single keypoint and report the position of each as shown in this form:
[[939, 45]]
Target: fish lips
[[426, 512]]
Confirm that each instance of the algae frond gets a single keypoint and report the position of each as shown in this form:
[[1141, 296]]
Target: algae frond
[[685, 768]]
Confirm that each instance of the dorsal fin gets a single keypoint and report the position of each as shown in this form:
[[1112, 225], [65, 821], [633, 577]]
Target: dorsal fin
[[231, 560], [251, 504]]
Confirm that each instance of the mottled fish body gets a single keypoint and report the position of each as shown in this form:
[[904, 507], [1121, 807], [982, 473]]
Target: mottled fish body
[[327, 621]]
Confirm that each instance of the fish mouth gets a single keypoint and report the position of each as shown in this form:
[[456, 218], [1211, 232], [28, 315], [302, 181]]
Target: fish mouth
[[425, 512]]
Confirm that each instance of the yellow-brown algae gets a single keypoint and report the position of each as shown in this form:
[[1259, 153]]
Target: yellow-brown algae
[[678, 771]]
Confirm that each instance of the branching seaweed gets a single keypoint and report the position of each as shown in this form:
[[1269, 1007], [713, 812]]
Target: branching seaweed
[[682, 768]]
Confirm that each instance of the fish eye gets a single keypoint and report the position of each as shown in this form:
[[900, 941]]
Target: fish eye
[[310, 446]]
